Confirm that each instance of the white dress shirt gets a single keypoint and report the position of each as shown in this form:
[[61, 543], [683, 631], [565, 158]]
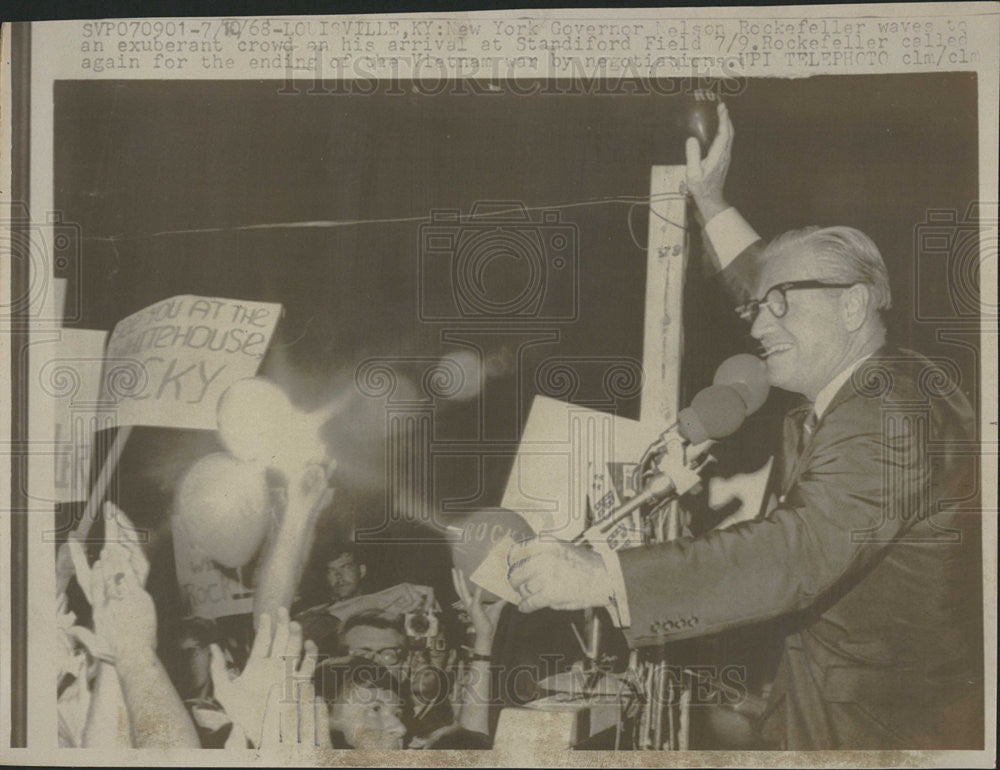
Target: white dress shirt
[[825, 396]]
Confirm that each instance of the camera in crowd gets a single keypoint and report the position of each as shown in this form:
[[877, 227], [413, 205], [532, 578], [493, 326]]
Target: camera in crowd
[[421, 624]]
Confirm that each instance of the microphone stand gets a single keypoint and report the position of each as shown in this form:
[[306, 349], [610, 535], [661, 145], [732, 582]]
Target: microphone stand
[[679, 466], [678, 469]]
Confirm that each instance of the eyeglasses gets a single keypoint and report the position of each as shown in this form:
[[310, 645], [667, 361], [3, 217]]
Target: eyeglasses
[[389, 655], [776, 301]]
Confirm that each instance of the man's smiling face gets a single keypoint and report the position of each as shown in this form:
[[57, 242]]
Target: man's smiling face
[[804, 349]]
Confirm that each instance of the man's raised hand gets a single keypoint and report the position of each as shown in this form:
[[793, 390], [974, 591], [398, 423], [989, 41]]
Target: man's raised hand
[[272, 660], [707, 178], [124, 615]]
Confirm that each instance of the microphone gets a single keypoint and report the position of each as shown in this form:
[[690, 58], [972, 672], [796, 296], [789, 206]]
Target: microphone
[[739, 388], [659, 488], [747, 375], [716, 412]]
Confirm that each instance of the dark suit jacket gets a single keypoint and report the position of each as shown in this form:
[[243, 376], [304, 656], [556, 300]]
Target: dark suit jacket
[[879, 587]]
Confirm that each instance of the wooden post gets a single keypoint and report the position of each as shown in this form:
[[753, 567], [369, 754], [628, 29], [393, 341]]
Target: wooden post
[[662, 355], [663, 334]]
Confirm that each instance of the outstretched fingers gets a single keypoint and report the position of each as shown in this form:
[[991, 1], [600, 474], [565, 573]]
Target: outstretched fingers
[[722, 144]]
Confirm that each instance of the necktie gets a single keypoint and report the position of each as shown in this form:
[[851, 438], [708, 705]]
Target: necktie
[[808, 429]]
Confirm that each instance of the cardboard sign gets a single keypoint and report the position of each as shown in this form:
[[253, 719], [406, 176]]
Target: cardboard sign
[[208, 591], [168, 364], [566, 462], [69, 371]]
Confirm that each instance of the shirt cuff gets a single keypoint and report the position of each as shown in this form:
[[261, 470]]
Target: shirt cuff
[[729, 235], [618, 600]]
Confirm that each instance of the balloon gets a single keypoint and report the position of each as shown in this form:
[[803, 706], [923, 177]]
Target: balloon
[[253, 416], [258, 423], [224, 506]]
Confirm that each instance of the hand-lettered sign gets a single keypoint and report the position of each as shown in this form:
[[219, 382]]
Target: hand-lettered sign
[[169, 363], [209, 591]]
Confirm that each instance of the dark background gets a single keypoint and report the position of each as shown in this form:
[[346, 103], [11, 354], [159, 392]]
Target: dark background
[[136, 161]]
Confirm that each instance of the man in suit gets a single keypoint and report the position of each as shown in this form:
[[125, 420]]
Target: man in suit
[[871, 556]]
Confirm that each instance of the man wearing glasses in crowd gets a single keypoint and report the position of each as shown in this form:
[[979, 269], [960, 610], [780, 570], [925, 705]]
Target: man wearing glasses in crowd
[[376, 638], [382, 640], [866, 556]]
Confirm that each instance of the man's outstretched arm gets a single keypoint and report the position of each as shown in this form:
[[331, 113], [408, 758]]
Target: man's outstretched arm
[[288, 549], [732, 245]]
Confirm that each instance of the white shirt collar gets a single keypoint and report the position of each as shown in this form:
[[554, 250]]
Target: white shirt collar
[[829, 390]]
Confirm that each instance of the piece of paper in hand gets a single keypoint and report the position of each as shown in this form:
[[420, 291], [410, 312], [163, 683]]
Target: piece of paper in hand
[[491, 574]]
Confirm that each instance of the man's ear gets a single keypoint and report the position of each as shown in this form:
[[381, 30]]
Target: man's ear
[[854, 306], [362, 571]]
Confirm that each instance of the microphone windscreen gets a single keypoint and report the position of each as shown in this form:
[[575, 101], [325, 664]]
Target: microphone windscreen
[[720, 411], [690, 427], [747, 375]]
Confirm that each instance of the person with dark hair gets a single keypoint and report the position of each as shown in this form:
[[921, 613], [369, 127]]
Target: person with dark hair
[[189, 657], [376, 638], [345, 572], [342, 571], [426, 688], [364, 703]]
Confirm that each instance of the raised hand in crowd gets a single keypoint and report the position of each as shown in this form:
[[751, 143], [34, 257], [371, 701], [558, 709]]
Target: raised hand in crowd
[[73, 669], [483, 616], [475, 697], [71, 637], [122, 546], [308, 493], [277, 661], [125, 629], [124, 614], [87, 656], [299, 724]]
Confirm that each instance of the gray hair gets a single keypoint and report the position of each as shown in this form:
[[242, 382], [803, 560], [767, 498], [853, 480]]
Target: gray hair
[[847, 255]]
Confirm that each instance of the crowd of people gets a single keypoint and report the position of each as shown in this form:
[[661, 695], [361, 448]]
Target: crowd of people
[[360, 670], [859, 553]]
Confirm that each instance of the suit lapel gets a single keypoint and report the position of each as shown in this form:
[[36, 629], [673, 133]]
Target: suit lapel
[[848, 388], [794, 461]]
